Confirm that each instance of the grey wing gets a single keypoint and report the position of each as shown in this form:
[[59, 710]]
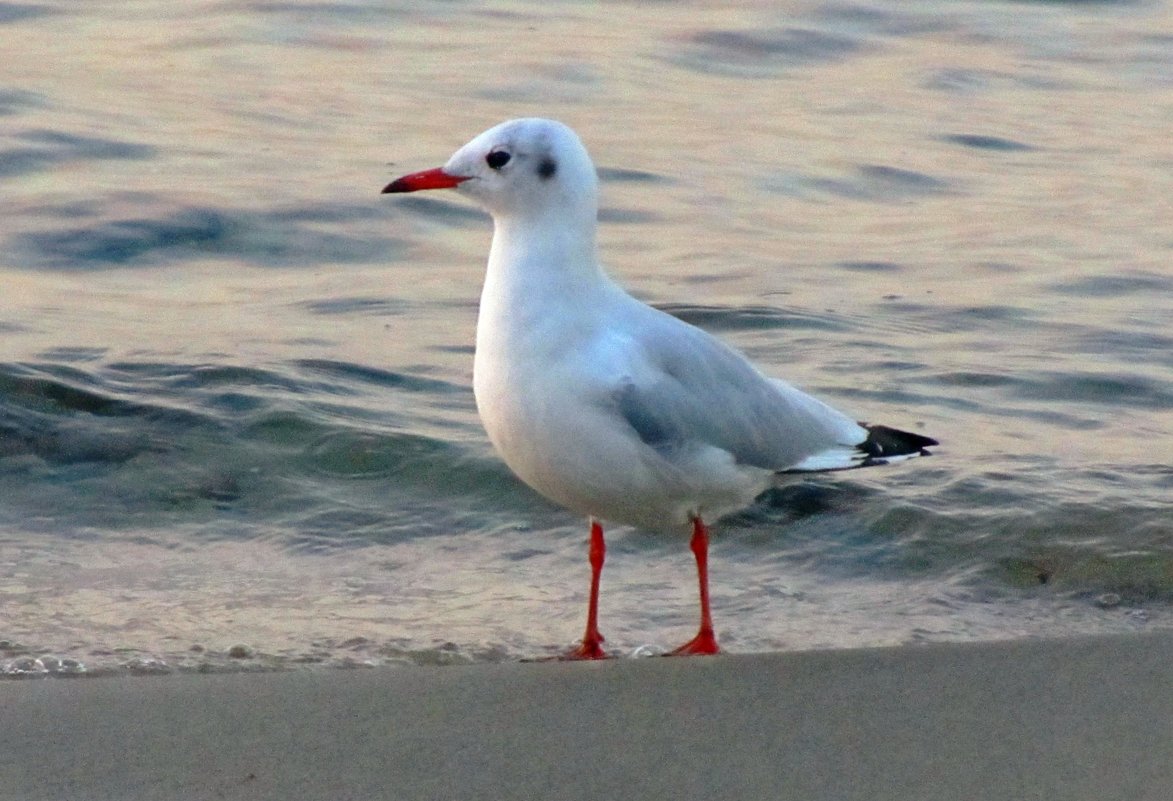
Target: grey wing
[[694, 391]]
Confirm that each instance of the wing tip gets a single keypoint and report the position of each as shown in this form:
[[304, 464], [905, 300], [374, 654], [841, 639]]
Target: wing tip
[[883, 445]]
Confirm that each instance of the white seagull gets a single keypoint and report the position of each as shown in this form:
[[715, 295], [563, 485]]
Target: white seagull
[[604, 404]]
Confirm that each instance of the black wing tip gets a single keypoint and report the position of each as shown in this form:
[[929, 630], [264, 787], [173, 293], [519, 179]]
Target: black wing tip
[[884, 443]]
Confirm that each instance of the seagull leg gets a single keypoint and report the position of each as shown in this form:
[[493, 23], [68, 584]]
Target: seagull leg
[[705, 641], [592, 640]]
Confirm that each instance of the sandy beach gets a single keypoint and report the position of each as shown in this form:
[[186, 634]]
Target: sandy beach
[[1071, 719]]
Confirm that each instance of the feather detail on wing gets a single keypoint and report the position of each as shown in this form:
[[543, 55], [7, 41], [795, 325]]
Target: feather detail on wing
[[696, 392], [693, 392]]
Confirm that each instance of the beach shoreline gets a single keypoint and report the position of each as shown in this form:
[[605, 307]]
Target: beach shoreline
[[1085, 718]]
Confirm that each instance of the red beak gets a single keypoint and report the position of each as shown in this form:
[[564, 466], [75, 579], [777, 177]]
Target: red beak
[[428, 179]]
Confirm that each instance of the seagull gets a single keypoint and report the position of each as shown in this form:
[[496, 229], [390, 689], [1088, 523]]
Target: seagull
[[604, 404]]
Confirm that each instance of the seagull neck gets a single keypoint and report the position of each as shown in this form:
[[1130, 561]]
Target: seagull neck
[[536, 257]]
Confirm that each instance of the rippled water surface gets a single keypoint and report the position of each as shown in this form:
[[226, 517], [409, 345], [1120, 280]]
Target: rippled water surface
[[236, 423]]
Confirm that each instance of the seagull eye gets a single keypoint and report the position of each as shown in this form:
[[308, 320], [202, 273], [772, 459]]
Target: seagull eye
[[497, 159]]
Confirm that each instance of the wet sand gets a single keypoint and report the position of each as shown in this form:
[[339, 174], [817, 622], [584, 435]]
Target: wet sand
[[1070, 719]]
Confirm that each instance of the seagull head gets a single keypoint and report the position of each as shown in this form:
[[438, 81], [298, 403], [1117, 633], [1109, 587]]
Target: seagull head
[[524, 168]]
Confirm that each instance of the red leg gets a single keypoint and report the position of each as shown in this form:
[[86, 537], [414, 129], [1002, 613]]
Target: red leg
[[705, 641], [592, 641]]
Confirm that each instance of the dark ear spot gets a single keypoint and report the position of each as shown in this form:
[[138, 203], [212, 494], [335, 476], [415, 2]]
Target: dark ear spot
[[547, 168]]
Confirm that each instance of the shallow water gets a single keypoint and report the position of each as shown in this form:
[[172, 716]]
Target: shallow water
[[236, 423]]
